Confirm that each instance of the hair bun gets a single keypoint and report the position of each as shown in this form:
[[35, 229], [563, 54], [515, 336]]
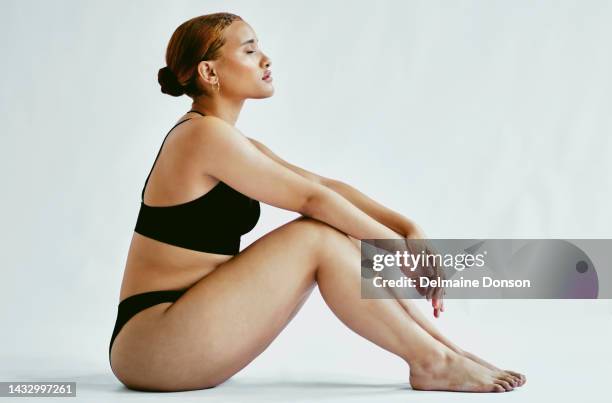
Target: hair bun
[[169, 83]]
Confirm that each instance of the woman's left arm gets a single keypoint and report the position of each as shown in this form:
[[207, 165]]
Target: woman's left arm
[[399, 224], [377, 211]]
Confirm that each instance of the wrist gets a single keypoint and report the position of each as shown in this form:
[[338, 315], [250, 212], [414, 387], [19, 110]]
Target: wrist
[[407, 228], [413, 231]]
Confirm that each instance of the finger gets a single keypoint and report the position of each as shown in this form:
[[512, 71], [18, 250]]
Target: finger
[[438, 304], [438, 298], [438, 292], [430, 292]]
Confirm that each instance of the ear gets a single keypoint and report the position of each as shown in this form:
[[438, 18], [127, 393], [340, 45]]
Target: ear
[[206, 70]]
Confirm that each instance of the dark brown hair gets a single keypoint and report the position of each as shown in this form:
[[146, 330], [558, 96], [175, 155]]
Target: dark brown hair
[[197, 39]]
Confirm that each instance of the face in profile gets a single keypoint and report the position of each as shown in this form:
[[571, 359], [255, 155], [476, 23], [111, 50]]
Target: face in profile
[[242, 66]]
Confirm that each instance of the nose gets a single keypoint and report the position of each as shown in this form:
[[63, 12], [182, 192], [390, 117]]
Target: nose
[[267, 62]]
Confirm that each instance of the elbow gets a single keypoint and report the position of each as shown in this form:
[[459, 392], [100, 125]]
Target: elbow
[[314, 202]]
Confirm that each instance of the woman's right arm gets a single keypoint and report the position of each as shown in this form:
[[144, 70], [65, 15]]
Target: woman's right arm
[[225, 153]]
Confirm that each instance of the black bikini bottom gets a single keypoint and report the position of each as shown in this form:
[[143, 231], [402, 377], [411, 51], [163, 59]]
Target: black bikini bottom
[[139, 302]]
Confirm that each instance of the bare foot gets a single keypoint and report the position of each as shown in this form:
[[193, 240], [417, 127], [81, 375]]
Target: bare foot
[[518, 378], [454, 372]]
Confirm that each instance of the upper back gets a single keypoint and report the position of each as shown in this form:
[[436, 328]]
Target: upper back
[[210, 219]]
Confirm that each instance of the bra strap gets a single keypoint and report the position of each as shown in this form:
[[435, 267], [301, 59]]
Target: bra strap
[[158, 152], [198, 112]]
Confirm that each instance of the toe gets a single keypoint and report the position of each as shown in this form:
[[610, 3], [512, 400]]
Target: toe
[[506, 376], [505, 384], [520, 377], [512, 380]]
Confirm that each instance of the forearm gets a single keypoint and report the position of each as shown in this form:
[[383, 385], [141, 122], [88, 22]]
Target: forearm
[[377, 211], [330, 207]]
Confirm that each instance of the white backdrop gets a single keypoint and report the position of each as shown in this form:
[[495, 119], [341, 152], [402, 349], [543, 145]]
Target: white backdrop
[[477, 119]]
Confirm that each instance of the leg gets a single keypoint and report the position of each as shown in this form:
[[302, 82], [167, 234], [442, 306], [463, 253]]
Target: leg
[[514, 378], [226, 319], [433, 365], [230, 316]]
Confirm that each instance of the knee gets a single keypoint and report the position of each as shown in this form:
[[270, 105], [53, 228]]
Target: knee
[[325, 231], [326, 235]]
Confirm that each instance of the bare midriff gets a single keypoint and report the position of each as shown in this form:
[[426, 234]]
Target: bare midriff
[[153, 265]]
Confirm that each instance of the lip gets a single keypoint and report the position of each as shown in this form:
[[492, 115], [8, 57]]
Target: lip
[[267, 75]]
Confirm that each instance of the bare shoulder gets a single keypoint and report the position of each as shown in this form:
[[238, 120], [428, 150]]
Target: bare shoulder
[[213, 132], [220, 150], [208, 128], [214, 143]]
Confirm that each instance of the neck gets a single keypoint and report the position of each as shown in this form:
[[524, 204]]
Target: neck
[[223, 108]]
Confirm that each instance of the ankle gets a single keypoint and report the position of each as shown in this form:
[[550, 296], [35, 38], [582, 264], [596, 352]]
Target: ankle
[[431, 360]]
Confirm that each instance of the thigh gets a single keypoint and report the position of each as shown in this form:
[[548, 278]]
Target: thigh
[[230, 316]]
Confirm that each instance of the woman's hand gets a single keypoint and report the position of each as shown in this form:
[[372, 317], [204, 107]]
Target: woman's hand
[[416, 242]]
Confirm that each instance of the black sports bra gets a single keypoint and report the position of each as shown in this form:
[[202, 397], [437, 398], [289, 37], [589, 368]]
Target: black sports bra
[[212, 223]]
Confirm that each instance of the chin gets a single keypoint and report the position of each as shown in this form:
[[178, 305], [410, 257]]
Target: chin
[[264, 94]]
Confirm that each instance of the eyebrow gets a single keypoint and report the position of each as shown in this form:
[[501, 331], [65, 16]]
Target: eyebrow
[[249, 41]]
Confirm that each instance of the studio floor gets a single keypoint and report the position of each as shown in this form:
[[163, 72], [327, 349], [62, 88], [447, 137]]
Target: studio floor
[[566, 359], [553, 382]]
